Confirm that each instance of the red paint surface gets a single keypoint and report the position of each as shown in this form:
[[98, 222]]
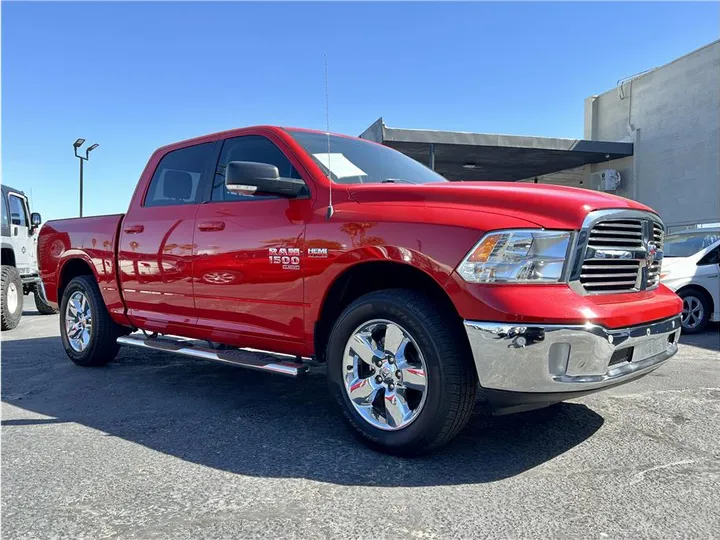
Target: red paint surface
[[205, 270], [559, 304]]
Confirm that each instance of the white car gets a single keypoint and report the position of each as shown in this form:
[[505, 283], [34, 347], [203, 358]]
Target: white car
[[691, 268]]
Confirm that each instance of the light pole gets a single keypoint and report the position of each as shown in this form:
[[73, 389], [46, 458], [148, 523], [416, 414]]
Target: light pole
[[76, 145]]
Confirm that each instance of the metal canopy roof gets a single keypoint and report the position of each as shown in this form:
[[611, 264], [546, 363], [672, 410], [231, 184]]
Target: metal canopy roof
[[480, 156]]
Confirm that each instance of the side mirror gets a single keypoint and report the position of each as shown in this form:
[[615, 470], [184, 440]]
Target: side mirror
[[35, 219], [249, 178]]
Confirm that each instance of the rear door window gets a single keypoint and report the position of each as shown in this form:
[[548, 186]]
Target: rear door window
[[178, 177]]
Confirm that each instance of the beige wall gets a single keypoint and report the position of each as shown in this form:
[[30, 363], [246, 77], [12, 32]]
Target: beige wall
[[673, 116]]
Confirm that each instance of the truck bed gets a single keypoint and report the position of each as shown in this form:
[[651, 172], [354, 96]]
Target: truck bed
[[93, 240]]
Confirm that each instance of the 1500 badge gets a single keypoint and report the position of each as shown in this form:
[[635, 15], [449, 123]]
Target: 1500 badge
[[289, 258]]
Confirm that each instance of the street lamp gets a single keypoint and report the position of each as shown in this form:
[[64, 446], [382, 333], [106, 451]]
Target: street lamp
[[76, 145]]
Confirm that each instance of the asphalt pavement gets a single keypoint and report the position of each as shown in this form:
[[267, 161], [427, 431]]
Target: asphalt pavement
[[157, 446]]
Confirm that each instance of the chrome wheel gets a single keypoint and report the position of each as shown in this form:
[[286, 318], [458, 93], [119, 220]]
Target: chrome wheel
[[384, 374], [78, 321], [12, 298], [692, 313]]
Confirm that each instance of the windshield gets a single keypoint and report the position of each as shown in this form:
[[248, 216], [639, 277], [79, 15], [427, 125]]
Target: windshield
[[354, 161], [686, 244]]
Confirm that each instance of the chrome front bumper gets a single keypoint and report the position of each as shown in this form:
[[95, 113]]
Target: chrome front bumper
[[556, 358]]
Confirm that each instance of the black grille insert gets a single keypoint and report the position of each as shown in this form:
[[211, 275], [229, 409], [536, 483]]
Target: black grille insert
[[621, 355]]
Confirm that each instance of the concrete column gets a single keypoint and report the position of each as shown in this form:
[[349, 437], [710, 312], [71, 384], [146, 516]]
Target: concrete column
[[636, 140], [591, 118]]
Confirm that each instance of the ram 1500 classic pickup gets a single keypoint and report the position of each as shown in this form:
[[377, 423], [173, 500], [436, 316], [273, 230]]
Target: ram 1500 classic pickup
[[420, 295]]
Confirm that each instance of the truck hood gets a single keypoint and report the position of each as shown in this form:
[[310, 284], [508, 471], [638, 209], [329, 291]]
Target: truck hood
[[551, 207]]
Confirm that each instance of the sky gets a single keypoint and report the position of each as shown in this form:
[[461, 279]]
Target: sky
[[134, 76]]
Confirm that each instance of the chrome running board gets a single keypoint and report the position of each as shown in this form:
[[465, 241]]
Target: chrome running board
[[261, 361]]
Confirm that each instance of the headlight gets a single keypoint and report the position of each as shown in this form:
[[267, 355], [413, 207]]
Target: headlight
[[517, 256]]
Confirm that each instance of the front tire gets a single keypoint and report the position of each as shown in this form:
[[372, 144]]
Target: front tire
[[88, 333], [12, 297], [401, 372], [696, 311]]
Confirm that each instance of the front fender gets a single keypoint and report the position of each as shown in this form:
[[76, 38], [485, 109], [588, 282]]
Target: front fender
[[322, 275]]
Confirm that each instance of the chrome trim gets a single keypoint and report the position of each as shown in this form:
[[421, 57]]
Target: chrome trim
[[78, 321], [385, 378], [559, 358], [582, 250], [236, 357]]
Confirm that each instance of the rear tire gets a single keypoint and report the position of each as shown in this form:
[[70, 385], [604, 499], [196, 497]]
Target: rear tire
[[12, 297], [436, 350], [88, 333], [40, 304]]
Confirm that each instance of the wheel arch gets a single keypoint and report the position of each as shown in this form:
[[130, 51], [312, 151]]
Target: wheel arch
[[369, 276], [71, 268], [8, 255]]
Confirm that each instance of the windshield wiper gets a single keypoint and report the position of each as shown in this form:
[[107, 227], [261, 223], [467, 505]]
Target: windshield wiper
[[396, 181]]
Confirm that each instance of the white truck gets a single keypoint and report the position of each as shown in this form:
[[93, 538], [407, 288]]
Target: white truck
[[20, 274]]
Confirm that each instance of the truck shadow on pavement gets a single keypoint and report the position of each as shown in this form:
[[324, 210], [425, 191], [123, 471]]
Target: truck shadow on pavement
[[710, 339], [263, 425]]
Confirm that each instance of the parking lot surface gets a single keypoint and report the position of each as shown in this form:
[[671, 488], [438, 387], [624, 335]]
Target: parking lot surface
[[157, 446]]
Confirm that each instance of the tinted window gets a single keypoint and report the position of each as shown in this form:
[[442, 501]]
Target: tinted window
[[5, 218], [17, 211], [178, 176], [689, 243], [711, 258], [249, 148], [354, 161]]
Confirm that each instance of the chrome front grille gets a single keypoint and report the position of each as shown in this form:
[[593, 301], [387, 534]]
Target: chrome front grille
[[658, 236], [618, 251], [608, 275], [619, 234]]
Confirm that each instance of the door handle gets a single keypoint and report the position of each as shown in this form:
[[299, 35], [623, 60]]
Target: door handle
[[211, 225], [134, 229]]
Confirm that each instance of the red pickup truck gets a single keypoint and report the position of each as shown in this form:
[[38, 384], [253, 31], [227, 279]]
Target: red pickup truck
[[265, 247]]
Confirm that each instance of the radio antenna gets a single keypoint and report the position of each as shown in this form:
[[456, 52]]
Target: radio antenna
[[330, 210]]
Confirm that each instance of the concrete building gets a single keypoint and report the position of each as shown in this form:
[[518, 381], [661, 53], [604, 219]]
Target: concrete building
[[671, 114], [659, 129]]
